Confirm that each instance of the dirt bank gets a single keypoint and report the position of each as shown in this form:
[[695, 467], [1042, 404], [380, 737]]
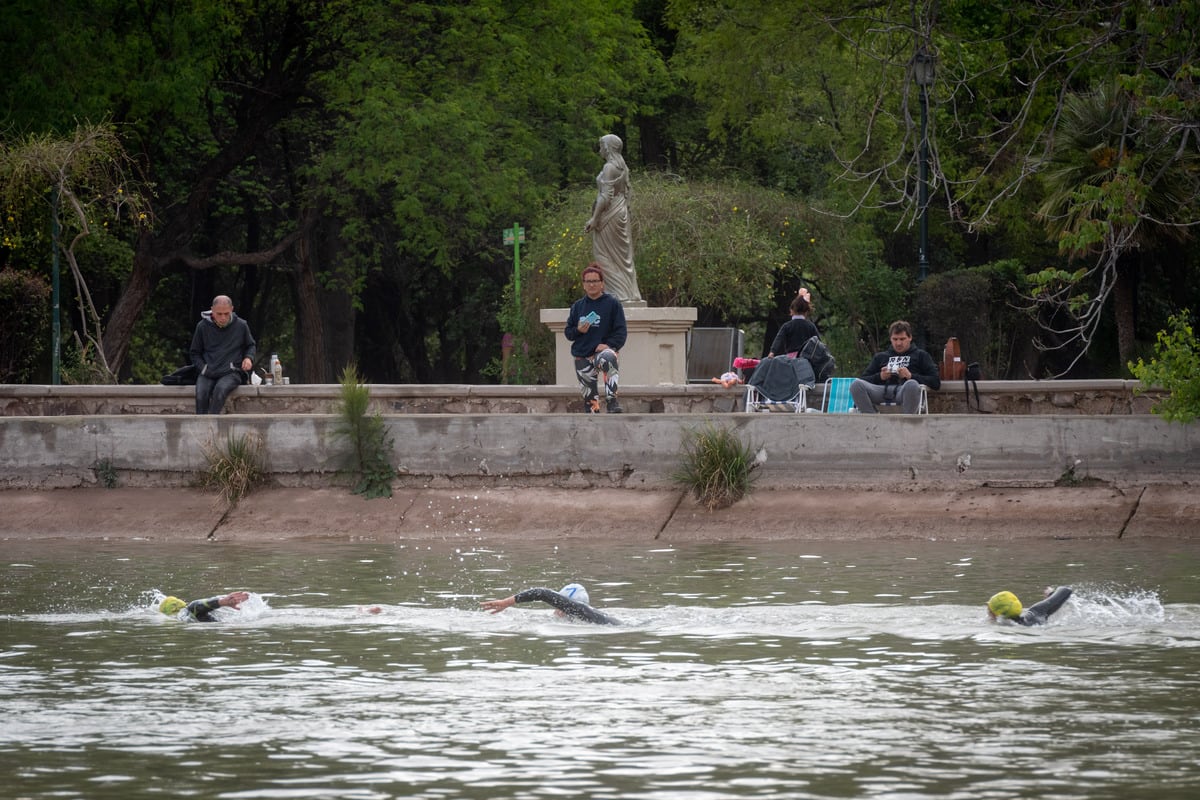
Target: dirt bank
[[630, 515]]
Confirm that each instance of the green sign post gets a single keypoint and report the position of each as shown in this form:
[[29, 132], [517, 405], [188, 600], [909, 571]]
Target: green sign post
[[514, 236]]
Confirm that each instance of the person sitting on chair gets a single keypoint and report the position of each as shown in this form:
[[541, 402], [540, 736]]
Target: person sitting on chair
[[896, 374]]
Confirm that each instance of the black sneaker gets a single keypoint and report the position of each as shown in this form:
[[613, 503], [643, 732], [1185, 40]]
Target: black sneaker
[[592, 406], [614, 407]]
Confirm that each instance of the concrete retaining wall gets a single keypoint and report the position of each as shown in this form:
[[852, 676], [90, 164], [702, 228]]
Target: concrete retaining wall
[[628, 451]]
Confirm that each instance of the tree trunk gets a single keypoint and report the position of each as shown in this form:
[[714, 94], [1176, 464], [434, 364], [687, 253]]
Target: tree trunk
[[310, 322], [1123, 310], [128, 308]]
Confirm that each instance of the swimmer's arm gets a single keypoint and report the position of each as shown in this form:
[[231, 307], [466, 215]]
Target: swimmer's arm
[[201, 610], [572, 608], [527, 596], [548, 596], [1040, 611], [1053, 602]]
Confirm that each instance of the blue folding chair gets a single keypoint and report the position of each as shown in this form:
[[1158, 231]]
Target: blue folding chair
[[836, 399]]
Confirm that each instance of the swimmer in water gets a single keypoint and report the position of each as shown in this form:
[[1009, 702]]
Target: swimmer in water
[[1005, 605], [201, 610], [571, 601]]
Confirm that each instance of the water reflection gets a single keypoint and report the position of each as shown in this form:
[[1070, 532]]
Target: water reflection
[[766, 670]]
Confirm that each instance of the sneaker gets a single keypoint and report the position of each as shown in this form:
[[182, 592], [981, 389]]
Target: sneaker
[[592, 406], [614, 407]]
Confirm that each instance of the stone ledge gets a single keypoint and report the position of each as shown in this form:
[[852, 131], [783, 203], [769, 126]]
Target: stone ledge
[[1103, 397]]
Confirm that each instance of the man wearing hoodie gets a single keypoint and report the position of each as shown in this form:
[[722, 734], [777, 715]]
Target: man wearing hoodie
[[222, 352], [895, 375]]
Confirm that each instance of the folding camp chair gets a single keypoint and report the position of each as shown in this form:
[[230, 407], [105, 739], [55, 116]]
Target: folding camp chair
[[779, 382], [757, 401], [836, 399]]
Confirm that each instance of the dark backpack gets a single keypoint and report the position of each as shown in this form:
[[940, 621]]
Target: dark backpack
[[818, 355], [184, 376]]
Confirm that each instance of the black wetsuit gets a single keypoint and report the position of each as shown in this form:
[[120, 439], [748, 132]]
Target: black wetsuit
[[202, 610], [572, 608], [1039, 612]]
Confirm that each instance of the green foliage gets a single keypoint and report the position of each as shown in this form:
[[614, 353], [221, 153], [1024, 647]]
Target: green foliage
[[724, 247], [455, 119], [716, 467], [777, 90], [978, 306], [370, 443], [24, 325], [235, 467], [1176, 368], [1115, 163], [106, 473], [395, 140], [80, 365], [92, 192]]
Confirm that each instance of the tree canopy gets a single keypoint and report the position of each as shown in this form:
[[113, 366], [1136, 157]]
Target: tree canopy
[[344, 169]]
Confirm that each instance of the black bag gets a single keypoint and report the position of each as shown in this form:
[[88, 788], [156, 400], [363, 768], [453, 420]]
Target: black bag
[[184, 376], [970, 375], [817, 354]]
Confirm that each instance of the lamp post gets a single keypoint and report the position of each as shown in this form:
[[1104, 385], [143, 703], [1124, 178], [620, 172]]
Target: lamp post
[[923, 67], [55, 318]]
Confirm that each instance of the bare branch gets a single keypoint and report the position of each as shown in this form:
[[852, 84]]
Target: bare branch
[[228, 258]]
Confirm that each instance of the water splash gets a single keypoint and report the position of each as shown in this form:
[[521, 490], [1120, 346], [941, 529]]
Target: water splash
[[254, 607], [1113, 605]]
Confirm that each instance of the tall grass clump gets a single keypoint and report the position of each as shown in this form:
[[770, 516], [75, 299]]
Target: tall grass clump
[[370, 444], [717, 467], [235, 467]]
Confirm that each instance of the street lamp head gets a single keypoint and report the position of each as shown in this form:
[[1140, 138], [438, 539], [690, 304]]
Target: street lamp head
[[923, 65]]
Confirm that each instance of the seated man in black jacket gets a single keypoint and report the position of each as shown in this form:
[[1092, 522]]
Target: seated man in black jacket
[[896, 374], [222, 352]]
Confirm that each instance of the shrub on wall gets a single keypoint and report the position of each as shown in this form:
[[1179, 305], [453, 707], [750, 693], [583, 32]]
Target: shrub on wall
[[717, 468], [1176, 368], [370, 445], [24, 326]]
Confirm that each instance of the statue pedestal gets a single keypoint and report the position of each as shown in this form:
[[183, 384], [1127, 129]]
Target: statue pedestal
[[655, 351]]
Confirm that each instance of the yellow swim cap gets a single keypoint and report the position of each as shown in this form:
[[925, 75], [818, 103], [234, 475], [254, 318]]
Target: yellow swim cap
[[1005, 604], [171, 606]]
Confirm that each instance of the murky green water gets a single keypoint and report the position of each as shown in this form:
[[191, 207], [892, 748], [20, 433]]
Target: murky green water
[[765, 670]]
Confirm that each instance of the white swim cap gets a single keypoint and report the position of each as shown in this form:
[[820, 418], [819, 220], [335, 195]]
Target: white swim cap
[[576, 592]]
